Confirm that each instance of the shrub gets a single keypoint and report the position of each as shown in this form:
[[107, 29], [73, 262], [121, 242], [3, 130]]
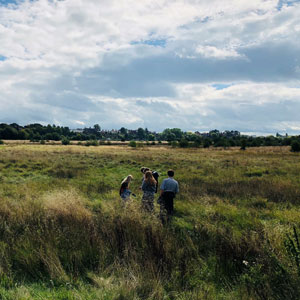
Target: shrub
[[206, 143], [153, 143], [1, 142], [196, 144], [183, 143], [65, 141], [243, 145], [42, 142], [91, 143], [79, 143], [173, 144], [132, 144], [295, 146]]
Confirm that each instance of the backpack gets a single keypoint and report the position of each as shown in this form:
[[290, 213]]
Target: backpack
[[155, 175]]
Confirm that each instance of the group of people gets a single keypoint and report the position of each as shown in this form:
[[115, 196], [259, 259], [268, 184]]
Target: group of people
[[168, 190]]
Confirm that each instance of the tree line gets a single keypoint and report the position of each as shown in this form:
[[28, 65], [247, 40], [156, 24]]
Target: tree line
[[175, 136]]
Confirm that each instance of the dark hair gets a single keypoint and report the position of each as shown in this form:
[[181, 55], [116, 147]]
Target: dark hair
[[170, 173], [144, 170]]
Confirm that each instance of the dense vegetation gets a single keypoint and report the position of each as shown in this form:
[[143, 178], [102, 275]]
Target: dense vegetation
[[65, 235], [175, 136]]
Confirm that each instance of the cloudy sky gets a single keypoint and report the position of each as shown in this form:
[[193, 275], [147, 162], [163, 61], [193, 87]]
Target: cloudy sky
[[192, 64]]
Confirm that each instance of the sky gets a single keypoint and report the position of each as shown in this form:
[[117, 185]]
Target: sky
[[197, 65]]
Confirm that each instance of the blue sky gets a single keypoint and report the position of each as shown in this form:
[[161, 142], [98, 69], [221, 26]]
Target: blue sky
[[197, 65]]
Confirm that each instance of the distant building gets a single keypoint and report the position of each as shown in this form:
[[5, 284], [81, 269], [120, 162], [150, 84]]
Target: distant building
[[78, 130]]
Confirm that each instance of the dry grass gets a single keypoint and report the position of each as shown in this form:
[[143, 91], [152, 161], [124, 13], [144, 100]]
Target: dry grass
[[62, 220]]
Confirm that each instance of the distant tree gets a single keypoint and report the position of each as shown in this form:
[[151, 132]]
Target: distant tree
[[56, 136], [206, 143], [141, 133], [151, 137], [295, 146], [183, 143], [243, 144], [97, 127], [123, 130]]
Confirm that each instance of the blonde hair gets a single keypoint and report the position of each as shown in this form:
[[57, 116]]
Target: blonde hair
[[149, 178], [127, 179]]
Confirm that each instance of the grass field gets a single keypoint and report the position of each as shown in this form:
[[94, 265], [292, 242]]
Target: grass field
[[64, 233]]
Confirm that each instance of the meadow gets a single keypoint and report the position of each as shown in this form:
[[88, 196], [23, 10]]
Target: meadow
[[64, 233]]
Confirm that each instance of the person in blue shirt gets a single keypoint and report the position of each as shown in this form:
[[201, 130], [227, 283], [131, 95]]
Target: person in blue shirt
[[168, 190], [149, 188], [124, 189]]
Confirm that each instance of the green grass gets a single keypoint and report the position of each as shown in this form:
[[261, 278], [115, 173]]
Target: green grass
[[64, 233]]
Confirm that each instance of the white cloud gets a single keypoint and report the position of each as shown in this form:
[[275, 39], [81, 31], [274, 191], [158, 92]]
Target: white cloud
[[211, 51], [79, 62]]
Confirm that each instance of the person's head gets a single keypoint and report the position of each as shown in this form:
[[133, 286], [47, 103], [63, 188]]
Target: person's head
[[171, 173], [144, 170], [128, 179], [149, 178]]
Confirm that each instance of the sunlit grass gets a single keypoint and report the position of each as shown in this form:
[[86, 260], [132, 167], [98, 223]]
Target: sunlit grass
[[66, 235]]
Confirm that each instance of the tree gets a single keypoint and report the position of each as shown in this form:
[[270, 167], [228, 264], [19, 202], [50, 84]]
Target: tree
[[123, 130], [295, 146], [243, 144], [141, 133], [97, 127], [183, 143]]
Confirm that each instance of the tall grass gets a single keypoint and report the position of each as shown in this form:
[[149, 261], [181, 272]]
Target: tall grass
[[67, 235]]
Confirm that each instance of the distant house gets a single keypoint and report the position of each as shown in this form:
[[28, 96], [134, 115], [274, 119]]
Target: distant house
[[78, 130]]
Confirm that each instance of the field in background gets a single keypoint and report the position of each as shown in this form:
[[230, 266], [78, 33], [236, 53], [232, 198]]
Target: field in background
[[65, 235]]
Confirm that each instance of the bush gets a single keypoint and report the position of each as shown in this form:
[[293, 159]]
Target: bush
[[197, 144], [206, 143], [183, 143], [42, 142], [132, 144], [173, 144], [65, 141], [243, 145], [295, 146], [1, 142], [91, 143]]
